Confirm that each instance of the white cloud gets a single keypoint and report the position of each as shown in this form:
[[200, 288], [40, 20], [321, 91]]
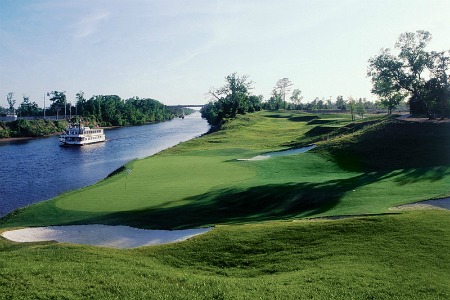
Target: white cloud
[[89, 24]]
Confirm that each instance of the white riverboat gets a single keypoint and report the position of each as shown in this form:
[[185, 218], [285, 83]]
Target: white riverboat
[[79, 135]]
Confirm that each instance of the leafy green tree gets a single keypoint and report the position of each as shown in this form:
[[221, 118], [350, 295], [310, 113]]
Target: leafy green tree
[[297, 97], [110, 110], [275, 101], [282, 87], [10, 100], [438, 87], [389, 97], [255, 103], [59, 102], [320, 104], [81, 101], [229, 100], [406, 74], [329, 104], [360, 109], [28, 109], [351, 105], [340, 103]]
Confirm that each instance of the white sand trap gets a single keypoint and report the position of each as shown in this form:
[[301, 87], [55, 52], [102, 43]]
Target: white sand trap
[[279, 153], [102, 235], [441, 203], [258, 157]]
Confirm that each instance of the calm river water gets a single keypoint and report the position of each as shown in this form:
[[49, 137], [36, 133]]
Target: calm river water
[[38, 169]]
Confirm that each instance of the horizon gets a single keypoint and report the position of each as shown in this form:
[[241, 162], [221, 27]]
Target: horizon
[[175, 51]]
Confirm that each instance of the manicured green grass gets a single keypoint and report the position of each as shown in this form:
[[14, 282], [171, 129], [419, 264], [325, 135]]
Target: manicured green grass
[[399, 256], [357, 168]]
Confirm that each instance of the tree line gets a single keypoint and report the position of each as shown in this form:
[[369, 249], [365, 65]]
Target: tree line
[[105, 110], [415, 77], [235, 98]]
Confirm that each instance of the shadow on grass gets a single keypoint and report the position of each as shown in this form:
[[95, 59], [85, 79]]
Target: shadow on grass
[[319, 130], [320, 122], [422, 174], [303, 118], [278, 116], [233, 206], [229, 205]]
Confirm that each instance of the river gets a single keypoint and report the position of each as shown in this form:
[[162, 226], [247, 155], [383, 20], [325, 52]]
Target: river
[[38, 169]]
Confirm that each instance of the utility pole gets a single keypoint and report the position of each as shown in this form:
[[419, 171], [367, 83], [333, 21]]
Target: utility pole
[[44, 106], [65, 108]]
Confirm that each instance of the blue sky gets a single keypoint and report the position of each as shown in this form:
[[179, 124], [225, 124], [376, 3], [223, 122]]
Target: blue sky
[[175, 51]]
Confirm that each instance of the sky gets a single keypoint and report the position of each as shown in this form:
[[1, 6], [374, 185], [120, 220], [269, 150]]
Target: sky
[[175, 51]]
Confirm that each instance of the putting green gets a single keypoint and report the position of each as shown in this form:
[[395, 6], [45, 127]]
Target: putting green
[[157, 182]]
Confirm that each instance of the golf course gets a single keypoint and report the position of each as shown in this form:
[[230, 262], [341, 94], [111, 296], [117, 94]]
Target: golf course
[[321, 224]]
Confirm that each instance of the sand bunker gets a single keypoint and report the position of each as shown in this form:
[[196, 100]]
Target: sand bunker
[[279, 153], [441, 203], [102, 235]]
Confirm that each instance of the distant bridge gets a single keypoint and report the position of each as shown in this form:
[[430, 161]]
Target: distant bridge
[[186, 105]]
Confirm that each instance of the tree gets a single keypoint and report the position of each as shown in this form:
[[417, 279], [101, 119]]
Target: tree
[[282, 87], [229, 100], [320, 103], [351, 105], [58, 101], [80, 102], [27, 108], [234, 93], [340, 103], [255, 103], [10, 100], [389, 97], [329, 104], [297, 97], [437, 89], [406, 74], [112, 110], [276, 100], [391, 101], [360, 109]]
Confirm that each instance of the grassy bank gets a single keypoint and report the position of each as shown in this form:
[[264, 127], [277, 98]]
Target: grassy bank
[[30, 128], [262, 246], [386, 257]]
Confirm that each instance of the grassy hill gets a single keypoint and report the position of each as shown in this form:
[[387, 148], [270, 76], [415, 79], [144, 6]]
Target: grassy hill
[[263, 245]]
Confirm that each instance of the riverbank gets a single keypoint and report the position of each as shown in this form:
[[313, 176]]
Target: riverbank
[[4, 127], [27, 138], [30, 128]]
